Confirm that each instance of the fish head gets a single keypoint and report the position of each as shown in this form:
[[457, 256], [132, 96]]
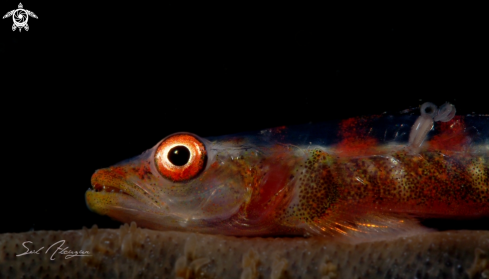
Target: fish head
[[188, 183]]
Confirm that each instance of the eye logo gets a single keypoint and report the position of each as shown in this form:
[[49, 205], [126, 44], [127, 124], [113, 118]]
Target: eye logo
[[20, 18]]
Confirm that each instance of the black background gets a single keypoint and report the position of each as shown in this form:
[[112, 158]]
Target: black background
[[92, 84]]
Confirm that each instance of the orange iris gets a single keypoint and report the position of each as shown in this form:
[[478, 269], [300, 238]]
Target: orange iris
[[180, 157]]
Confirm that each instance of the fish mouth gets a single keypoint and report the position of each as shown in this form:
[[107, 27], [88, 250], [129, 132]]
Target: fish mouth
[[97, 187], [115, 187], [118, 194], [113, 180]]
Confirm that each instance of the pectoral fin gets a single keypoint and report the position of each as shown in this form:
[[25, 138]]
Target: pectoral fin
[[356, 227]]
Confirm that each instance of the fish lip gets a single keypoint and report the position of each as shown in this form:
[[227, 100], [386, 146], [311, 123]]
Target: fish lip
[[97, 187], [114, 181], [105, 201], [106, 180]]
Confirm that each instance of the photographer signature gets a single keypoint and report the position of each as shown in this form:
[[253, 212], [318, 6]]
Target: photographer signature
[[60, 250]]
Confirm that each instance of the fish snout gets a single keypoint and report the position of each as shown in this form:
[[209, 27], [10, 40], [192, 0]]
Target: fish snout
[[122, 180]]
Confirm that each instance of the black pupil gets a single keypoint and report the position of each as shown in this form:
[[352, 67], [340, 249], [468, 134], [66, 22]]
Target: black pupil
[[179, 155]]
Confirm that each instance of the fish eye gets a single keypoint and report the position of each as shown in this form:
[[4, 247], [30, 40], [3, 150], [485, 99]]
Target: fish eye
[[180, 157]]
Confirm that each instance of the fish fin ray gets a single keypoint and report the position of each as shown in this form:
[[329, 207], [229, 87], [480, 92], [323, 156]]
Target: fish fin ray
[[351, 227]]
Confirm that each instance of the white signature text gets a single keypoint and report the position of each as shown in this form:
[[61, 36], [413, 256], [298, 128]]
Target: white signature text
[[60, 250]]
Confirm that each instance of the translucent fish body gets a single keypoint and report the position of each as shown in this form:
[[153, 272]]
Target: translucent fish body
[[356, 177]]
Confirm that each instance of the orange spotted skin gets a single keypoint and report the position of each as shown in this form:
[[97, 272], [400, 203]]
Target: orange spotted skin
[[446, 179], [352, 178], [426, 184], [334, 193]]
